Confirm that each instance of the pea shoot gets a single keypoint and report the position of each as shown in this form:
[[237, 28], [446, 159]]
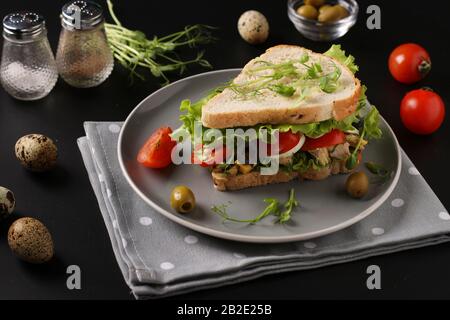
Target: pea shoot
[[132, 49], [371, 130], [272, 208], [382, 174], [272, 76]]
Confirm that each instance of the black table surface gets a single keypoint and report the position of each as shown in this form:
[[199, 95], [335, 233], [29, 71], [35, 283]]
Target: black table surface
[[64, 201]]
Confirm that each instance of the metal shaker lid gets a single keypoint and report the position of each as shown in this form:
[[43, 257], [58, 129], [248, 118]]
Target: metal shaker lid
[[23, 25], [81, 15]]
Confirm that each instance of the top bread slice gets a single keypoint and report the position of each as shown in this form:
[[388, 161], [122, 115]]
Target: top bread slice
[[228, 109]]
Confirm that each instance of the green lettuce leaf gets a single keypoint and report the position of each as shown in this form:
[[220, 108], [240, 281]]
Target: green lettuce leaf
[[371, 124], [317, 129], [303, 161], [337, 53], [193, 111]]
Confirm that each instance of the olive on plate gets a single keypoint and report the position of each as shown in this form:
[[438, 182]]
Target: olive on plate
[[357, 185], [182, 199]]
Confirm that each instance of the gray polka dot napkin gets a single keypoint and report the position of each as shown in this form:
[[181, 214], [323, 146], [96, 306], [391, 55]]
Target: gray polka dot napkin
[[160, 258]]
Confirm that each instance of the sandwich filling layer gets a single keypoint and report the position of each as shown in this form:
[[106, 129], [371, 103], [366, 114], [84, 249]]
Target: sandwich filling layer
[[330, 146]]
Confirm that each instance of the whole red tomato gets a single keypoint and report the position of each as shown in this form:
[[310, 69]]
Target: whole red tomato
[[409, 63], [156, 152], [422, 111]]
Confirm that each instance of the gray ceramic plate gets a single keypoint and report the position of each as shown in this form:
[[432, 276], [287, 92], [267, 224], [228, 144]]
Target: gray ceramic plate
[[324, 205]]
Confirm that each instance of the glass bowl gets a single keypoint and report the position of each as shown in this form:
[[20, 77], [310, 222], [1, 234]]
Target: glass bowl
[[319, 31]]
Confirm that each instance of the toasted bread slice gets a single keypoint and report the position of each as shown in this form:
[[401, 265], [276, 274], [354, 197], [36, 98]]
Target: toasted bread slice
[[224, 182], [228, 110]]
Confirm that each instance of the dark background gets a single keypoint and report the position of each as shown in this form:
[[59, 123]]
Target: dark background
[[64, 201]]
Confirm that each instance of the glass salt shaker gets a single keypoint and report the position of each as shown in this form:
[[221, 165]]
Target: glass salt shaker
[[83, 57], [28, 68]]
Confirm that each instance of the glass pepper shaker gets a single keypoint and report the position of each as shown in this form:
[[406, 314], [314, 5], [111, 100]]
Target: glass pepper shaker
[[28, 68], [83, 57]]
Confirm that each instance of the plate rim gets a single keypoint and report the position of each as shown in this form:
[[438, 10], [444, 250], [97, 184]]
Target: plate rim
[[239, 237]]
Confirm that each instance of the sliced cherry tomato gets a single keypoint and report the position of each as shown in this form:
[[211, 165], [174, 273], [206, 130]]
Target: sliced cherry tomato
[[332, 138], [409, 63], [422, 111], [207, 158], [156, 152], [288, 140]]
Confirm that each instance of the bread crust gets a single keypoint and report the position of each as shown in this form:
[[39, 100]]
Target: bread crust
[[338, 109], [224, 182]]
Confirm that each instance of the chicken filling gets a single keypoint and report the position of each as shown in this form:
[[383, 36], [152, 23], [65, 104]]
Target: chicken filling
[[330, 158]]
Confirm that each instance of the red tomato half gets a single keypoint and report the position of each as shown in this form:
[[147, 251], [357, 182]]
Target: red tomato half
[[287, 141], [332, 138], [409, 63], [422, 111], [156, 152]]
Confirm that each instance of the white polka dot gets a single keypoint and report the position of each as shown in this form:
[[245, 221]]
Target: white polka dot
[[167, 266], [377, 231], [444, 215], [191, 239], [108, 193], [93, 150], [114, 128], [239, 255], [398, 203], [413, 171], [115, 225], [124, 242], [310, 245], [101, 178], [145, 221]]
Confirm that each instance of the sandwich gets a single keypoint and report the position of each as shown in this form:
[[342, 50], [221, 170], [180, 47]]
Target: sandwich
[[313, 101]]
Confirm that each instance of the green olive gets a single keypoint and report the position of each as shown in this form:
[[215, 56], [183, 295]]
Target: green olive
[[330, 14], [182, 199], [357, 185], [324, 7], [308, 11], [315, 3], [343, 12]]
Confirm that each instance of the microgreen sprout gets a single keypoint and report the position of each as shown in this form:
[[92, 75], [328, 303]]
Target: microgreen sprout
[[272, 208], [382, 174], [133, 49], [287, 78]]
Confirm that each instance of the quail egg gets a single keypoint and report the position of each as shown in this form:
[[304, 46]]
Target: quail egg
[[36, 152], [7, 202], [253, 27], [30, 240]]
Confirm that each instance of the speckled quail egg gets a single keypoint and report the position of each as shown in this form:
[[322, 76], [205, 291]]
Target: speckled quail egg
[[36, 152], [7, 202], [30, 240], [253, 27]]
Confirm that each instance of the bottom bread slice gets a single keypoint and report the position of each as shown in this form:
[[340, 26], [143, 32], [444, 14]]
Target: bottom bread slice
[[224, 182]]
